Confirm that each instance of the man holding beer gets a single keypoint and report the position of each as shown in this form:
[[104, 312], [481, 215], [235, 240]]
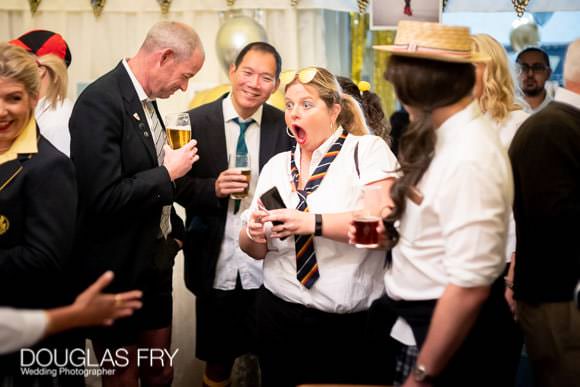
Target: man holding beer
[[125, 172], [237, 135]]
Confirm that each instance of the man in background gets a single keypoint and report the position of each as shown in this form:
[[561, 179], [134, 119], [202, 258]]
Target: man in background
[[533, 69], [545, 156]]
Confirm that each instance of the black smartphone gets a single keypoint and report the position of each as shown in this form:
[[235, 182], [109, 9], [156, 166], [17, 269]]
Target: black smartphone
[[272, 200]]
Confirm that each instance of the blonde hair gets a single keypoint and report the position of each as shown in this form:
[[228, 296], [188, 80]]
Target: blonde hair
[[58, 78], [351, 116], [18, 65], [498, 96]]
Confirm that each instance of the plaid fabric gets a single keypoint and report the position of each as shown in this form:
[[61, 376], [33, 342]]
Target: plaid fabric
[[405, 362]]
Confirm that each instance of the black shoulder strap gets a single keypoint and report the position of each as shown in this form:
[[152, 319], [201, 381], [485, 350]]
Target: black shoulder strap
[[356, 160]]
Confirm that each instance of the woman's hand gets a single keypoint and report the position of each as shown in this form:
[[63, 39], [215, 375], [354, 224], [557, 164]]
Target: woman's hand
[[255, 227], [294, 222], [383, 238]]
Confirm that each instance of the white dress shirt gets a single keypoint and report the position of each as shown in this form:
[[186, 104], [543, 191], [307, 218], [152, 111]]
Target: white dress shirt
[[232, 260], [350, 278], [20, 328], [507, 129], [457, 234], [53, 123]]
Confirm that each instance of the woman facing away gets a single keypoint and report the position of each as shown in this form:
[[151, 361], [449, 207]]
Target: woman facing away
[[452, 205], [312, 310]]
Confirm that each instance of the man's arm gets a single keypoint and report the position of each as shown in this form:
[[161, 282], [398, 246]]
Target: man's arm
[[96, 127]]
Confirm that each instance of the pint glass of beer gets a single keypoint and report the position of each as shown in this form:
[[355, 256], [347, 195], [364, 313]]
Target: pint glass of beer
[[242, 162], [367, 218], [178, 129]]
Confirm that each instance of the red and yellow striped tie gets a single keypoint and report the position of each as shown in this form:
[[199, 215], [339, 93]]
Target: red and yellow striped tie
[[306, 263]]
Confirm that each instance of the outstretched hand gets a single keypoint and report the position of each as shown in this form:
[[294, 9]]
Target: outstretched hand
[[95, 308]]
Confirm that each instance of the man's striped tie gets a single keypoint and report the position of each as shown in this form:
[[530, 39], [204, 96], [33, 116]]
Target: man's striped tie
[[159, 138], [306, 263]]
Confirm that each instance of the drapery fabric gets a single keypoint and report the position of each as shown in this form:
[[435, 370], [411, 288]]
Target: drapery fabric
[[313, 33]]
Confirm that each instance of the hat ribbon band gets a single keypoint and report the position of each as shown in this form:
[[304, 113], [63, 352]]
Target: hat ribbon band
[[419, 49]]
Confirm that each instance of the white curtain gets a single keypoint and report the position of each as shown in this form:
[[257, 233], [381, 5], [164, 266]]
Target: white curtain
[[97, 44]]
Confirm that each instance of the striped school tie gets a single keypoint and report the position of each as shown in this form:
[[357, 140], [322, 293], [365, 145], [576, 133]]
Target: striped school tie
[[306, 263], [159, 139]]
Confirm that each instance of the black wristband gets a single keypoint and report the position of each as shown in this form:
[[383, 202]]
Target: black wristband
[[317, 225]]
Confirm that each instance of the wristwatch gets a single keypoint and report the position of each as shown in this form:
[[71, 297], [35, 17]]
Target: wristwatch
[[421, 375]]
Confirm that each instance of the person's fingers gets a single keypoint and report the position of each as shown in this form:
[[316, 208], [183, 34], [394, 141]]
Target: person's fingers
[[131, 295], [103, 281], [132, 304]]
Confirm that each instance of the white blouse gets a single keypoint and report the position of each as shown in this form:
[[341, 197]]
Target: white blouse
[[350, 278], [457, 234], [507, 130]]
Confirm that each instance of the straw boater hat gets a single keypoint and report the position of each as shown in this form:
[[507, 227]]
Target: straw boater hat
[[434, 41]]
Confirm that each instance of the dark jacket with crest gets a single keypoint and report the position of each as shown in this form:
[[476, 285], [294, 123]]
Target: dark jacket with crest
[[206, 214], [38, 201], [121, 187]]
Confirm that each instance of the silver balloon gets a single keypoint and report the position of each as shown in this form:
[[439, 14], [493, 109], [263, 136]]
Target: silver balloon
[[525, 32], [235, 33]]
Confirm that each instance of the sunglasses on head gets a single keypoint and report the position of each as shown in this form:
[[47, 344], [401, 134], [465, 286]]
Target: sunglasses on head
[[306, 75]]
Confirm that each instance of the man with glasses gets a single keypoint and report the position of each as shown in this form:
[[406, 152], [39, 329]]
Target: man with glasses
[[545, 157], [533, 69]]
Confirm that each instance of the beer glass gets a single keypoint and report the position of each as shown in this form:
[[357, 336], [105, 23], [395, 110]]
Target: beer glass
[[367, 217], [178, 129], [242, 162]]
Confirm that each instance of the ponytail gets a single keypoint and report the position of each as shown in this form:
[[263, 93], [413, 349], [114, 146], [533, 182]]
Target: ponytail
[[58, 78], [351, 116]]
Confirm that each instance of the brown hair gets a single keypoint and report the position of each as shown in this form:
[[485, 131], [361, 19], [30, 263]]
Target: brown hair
[[351, 116], [370, 104], [18, 65], [423, 85]]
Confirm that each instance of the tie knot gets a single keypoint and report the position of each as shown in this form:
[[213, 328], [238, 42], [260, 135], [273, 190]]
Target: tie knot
[[243, 124]]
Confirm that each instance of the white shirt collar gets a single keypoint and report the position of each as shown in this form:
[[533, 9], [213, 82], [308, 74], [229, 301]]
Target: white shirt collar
[[568, 97], [320, 151], [138, 88], [230, 111], [446, 132]]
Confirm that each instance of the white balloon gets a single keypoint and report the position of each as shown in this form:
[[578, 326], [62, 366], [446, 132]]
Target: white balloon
[[234, 34]]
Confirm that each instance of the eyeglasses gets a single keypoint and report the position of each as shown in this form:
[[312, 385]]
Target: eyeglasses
[[536, 68], [306, 75]]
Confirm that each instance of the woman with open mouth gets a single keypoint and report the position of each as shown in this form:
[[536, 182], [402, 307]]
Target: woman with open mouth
[[312, 310]]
